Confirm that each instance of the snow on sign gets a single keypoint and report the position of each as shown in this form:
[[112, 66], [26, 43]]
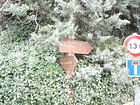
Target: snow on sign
[[132, 44], [134, 68]]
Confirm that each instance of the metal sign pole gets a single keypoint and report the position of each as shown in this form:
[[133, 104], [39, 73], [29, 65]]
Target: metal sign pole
[[137, 94], [137, 89]]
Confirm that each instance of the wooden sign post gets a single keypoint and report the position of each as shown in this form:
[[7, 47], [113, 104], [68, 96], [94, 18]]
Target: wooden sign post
[[69, 62]]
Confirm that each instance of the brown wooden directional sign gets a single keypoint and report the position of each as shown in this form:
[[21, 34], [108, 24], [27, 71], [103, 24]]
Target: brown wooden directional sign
[[68, 63], [74, 46]]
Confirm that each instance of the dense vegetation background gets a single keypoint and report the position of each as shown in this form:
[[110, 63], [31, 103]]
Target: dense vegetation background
[[30, 30]]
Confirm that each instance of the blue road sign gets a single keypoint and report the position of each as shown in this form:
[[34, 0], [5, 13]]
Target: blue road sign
[[134, 67]]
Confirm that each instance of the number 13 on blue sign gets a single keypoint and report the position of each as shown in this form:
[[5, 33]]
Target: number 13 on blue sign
[[134, 68]]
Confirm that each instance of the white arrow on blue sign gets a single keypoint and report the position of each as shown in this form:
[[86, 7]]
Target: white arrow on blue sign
[[134, 67]]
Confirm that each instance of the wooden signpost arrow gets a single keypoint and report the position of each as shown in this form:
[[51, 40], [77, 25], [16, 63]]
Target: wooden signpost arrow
[[74, 46], [68, 63]]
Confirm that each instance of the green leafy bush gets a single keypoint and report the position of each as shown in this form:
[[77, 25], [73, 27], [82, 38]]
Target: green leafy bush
[[28, 77]]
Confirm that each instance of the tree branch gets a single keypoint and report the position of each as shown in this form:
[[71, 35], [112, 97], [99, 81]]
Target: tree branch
[[4, 5]]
